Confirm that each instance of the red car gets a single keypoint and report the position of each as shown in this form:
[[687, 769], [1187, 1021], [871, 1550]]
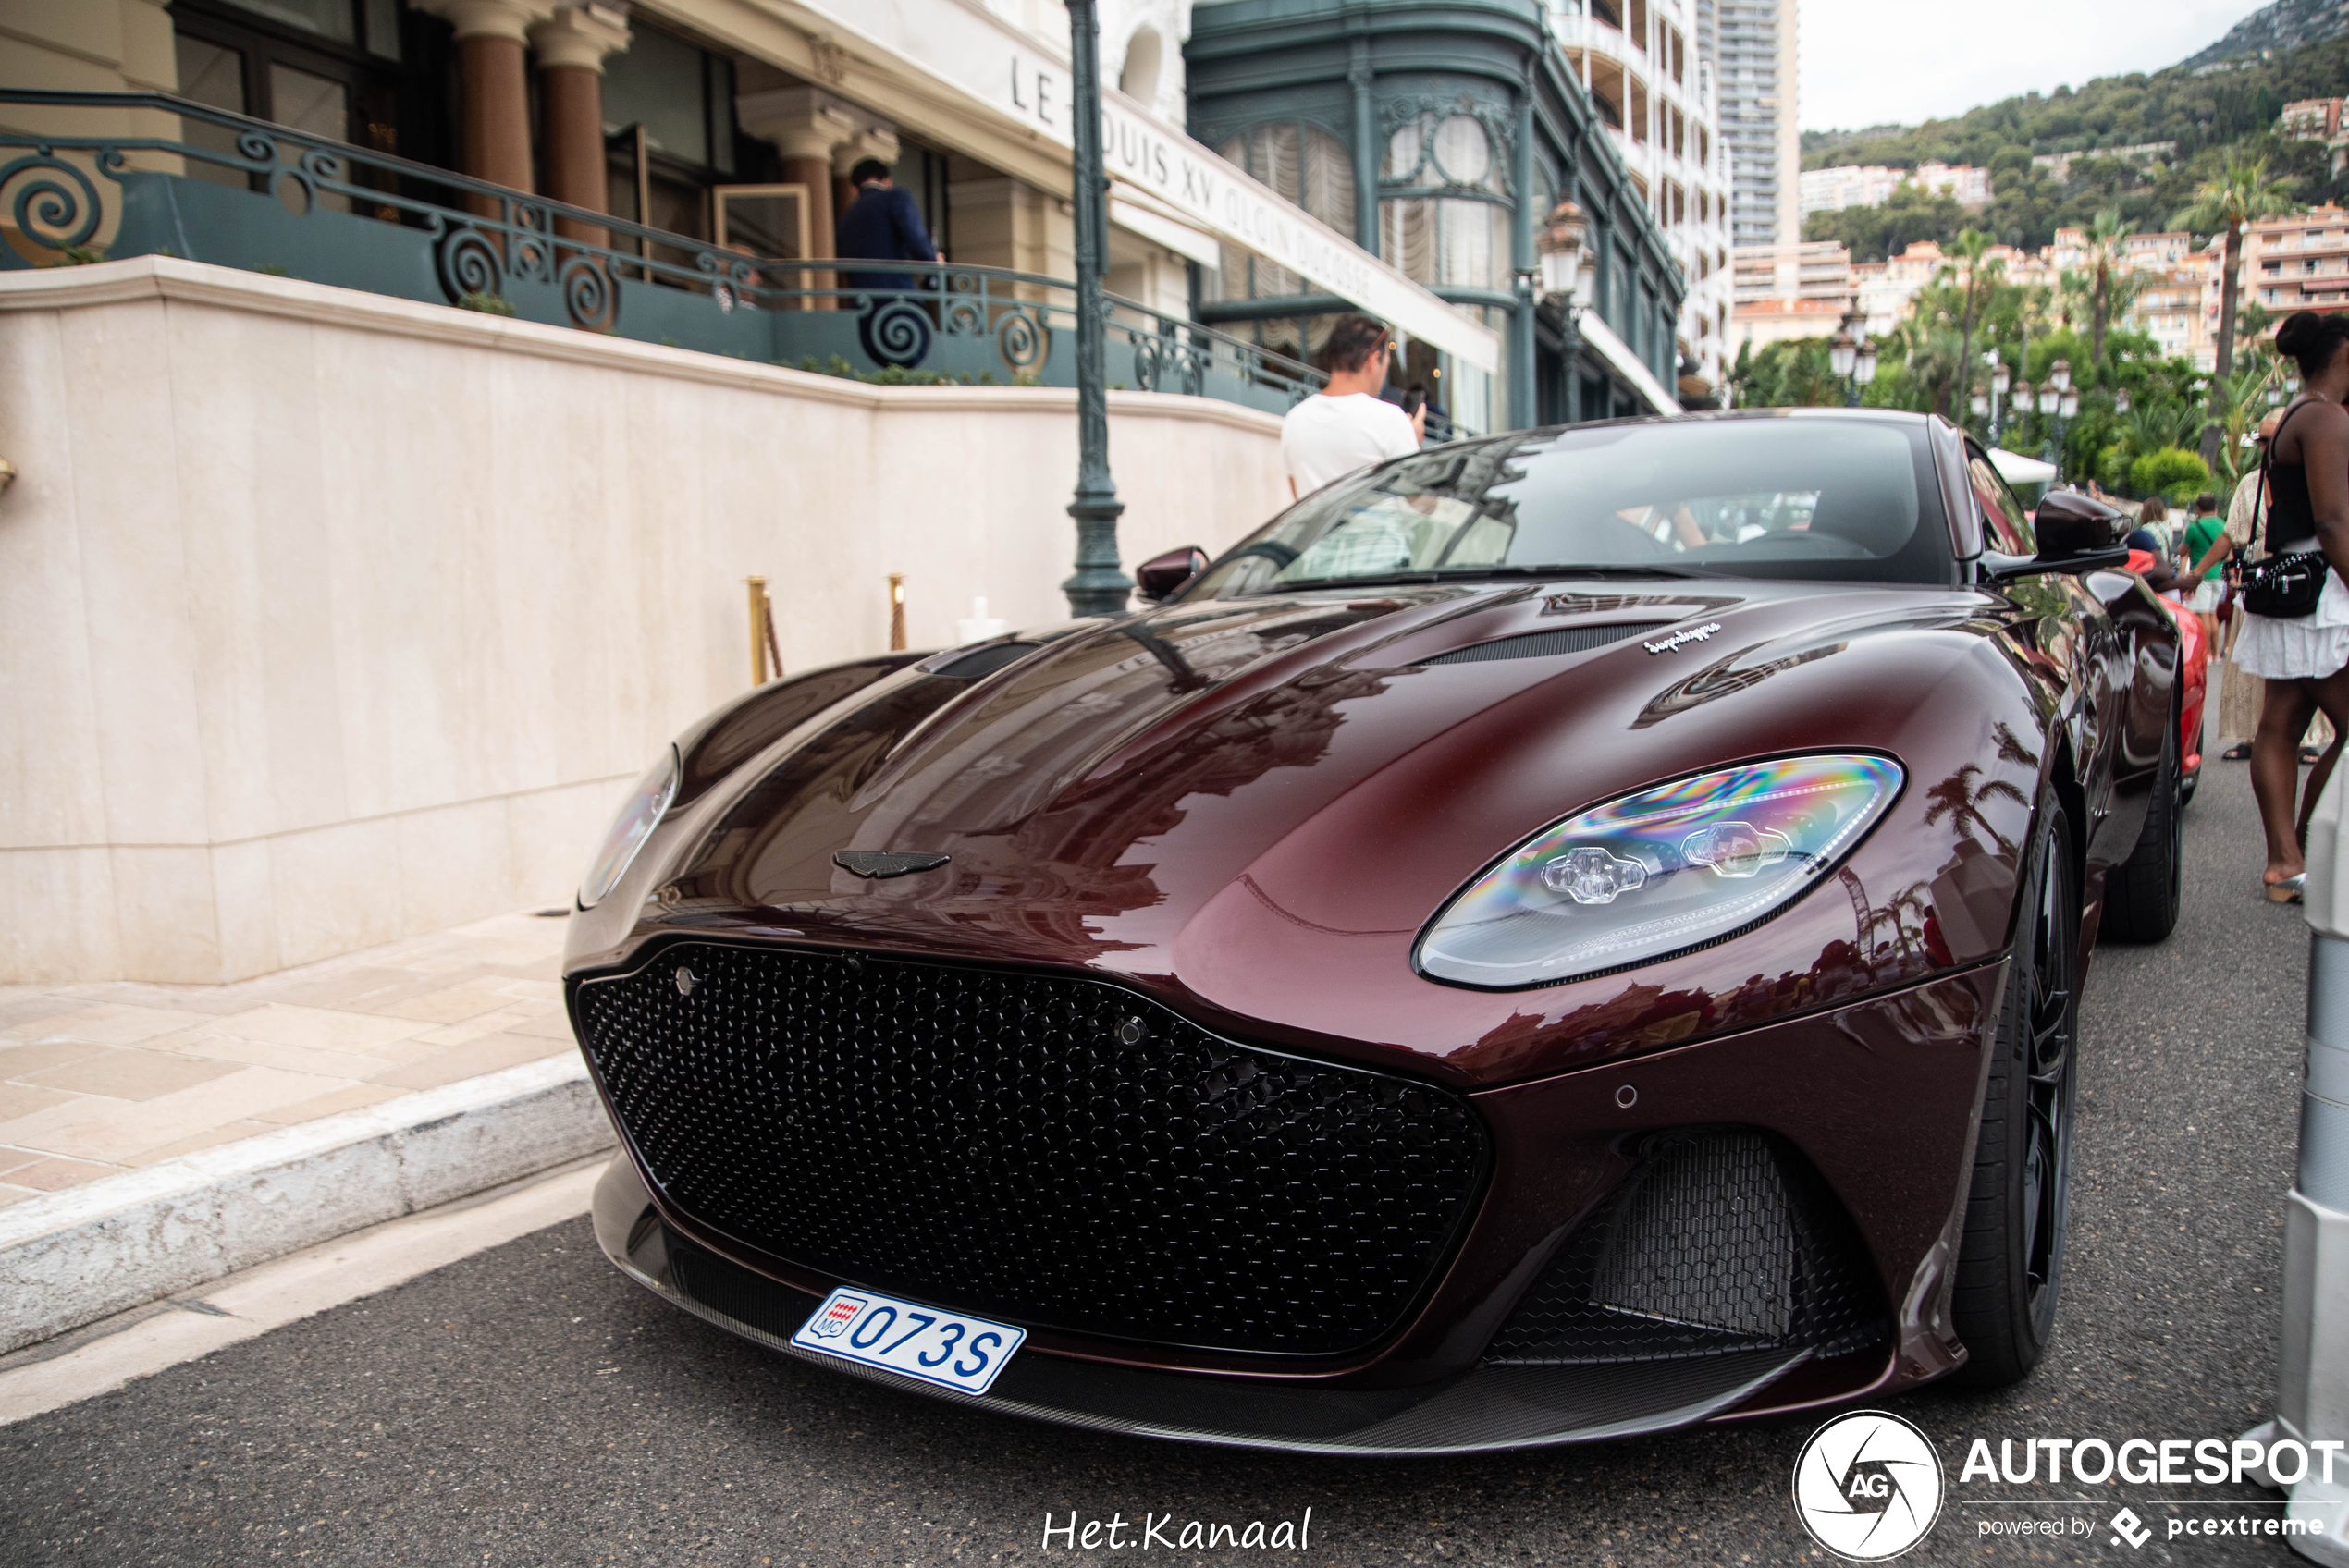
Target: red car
[[1563, 935], [2193, 651]]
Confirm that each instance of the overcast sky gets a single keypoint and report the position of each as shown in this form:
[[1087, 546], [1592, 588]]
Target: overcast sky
[[1877, 62]]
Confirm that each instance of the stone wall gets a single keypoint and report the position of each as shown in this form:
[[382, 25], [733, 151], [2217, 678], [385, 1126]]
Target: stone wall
[[327, 619]]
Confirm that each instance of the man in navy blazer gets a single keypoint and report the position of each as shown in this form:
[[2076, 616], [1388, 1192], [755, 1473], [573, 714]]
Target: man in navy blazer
[[881, 224]]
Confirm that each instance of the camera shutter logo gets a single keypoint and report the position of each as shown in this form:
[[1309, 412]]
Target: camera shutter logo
[[1867, 1486]]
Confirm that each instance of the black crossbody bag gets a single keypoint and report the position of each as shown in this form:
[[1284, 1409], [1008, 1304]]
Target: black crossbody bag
[[2282, 587]]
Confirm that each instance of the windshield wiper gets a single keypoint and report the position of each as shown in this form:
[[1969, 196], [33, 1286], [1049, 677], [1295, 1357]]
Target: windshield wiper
[[1470, 573]]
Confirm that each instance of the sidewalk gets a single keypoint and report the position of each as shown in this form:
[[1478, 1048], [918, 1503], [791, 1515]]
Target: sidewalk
[[100, 1079]]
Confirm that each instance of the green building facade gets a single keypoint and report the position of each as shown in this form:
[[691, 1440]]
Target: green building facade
[[1440, 134]]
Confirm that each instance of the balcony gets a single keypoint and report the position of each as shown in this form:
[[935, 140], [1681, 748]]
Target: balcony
[[247, 193]]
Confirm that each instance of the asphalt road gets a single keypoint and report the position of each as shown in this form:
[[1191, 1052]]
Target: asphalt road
[[529, 1406]]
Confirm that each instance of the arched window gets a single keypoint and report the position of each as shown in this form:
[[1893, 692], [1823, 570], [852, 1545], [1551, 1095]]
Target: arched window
[[1437, 238], [1138, 81], [1443, 151]]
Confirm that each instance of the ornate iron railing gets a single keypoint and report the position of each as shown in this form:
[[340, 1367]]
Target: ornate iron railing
[[247, 193]]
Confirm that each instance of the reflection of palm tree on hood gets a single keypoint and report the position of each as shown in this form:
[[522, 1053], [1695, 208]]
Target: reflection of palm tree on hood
[[1956, 801]]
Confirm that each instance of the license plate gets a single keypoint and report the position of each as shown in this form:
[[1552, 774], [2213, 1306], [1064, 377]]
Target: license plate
[[945, 1348]]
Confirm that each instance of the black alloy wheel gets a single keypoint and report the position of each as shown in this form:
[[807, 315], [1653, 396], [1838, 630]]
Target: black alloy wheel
[[2144, 894], [2010, 1266]]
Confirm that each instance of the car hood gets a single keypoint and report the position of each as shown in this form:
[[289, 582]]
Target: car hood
[[1251, 806]]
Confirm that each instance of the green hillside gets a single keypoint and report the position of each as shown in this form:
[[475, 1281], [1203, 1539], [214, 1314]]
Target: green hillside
[[2206, 112]]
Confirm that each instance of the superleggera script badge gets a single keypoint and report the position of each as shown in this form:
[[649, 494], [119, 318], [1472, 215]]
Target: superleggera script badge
[[1694, 635]]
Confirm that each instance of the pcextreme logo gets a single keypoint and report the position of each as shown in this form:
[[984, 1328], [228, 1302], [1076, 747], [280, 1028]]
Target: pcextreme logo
[[1867, 1486]]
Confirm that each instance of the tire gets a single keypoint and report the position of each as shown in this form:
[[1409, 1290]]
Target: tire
[[2010, 1265], [2144, 893]]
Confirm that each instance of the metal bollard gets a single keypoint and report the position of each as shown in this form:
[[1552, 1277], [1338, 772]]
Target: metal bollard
[[2312, 1400], [757, 586]]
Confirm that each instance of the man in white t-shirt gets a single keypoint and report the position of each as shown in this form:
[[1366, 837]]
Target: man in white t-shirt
[[1347, 425]]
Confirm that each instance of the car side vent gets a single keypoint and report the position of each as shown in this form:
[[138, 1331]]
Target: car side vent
[[1548, 644], [1723, 1240]]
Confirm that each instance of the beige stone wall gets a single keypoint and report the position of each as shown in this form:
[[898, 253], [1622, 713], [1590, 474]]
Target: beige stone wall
[[332, 619]]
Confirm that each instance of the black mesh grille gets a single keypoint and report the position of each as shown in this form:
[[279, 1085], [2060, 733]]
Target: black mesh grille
[[1547, 644], [1722, 1241], [1057, 1151]]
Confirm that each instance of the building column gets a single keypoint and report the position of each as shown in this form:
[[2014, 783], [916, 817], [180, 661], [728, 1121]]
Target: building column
[[494, 91], [1524, 398], [804, 125], [570, 47], [1367, 151]]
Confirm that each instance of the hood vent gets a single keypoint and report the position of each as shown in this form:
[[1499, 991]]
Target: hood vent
[[1548, 644]]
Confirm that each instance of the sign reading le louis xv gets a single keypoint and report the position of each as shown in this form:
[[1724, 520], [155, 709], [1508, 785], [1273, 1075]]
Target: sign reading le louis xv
[[1196, 183]]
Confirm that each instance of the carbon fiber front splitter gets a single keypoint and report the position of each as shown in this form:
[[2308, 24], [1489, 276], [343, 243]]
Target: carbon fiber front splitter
[[1488, 1408]]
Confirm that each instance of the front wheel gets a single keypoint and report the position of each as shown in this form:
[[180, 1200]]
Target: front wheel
[[2010, 1265]]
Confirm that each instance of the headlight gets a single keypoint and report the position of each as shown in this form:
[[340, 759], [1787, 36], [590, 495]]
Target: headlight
[[1658, 873], [646, 804]]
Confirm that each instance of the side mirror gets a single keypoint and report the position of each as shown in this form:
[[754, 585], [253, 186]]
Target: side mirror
[[2070, 524], [1158, 578], [2075, 534]]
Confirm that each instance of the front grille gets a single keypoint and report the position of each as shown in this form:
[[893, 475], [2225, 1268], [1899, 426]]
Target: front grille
[[1053, 1150], [1722, 1241], [1548, 644]]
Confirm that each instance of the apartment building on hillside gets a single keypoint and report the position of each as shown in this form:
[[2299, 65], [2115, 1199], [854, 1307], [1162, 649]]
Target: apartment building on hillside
[[1787, 292], [1872, 185]]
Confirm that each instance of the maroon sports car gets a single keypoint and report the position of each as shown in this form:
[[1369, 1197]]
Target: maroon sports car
[[1559, 935]]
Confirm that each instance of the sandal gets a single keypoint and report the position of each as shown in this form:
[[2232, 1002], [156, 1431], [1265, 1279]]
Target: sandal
[[2239, 752], [2289, 890], [2309, 753]]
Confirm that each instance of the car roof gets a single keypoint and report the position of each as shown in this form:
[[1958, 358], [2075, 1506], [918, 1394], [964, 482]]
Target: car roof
[[1721, 416]]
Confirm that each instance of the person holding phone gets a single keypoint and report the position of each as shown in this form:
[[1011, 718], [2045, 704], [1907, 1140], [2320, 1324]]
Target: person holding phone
[[1347, 425]]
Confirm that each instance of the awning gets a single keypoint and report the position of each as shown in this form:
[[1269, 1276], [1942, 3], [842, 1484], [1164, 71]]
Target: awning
[[1178, 236], [976, 56], [2016, 469], [1615, 352]]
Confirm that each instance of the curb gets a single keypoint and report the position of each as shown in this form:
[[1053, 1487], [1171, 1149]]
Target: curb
[[92, 1251]]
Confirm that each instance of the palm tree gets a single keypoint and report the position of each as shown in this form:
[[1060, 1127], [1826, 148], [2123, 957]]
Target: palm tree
[[2242, 194], [2072, 290], [2108, 284], [1977, 273]]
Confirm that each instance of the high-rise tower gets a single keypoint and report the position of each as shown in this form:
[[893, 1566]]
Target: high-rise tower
[[1759, 120]]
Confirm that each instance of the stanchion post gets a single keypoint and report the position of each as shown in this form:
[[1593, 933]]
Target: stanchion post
[[896, 611], [757, 630], [2312, 1398]]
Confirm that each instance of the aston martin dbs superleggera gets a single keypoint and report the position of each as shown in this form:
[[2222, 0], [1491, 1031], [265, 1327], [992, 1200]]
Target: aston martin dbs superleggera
[[1558, 935]]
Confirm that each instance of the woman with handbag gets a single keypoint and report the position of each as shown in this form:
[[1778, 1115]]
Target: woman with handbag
[[2295, 630]]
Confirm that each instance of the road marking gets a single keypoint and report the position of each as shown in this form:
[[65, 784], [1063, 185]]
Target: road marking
[[243, 1306]]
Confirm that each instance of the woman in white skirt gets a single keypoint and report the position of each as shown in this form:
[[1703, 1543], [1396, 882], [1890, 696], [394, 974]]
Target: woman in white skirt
[[2303, 659]]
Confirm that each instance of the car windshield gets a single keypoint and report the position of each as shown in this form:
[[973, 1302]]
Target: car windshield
[[1786, 497]]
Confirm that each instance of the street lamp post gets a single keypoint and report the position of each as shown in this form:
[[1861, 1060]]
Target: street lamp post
[[1097, 587], [1559, 250], [2024, 400], [1852, 356], [2050, 400], [2000, 379]]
